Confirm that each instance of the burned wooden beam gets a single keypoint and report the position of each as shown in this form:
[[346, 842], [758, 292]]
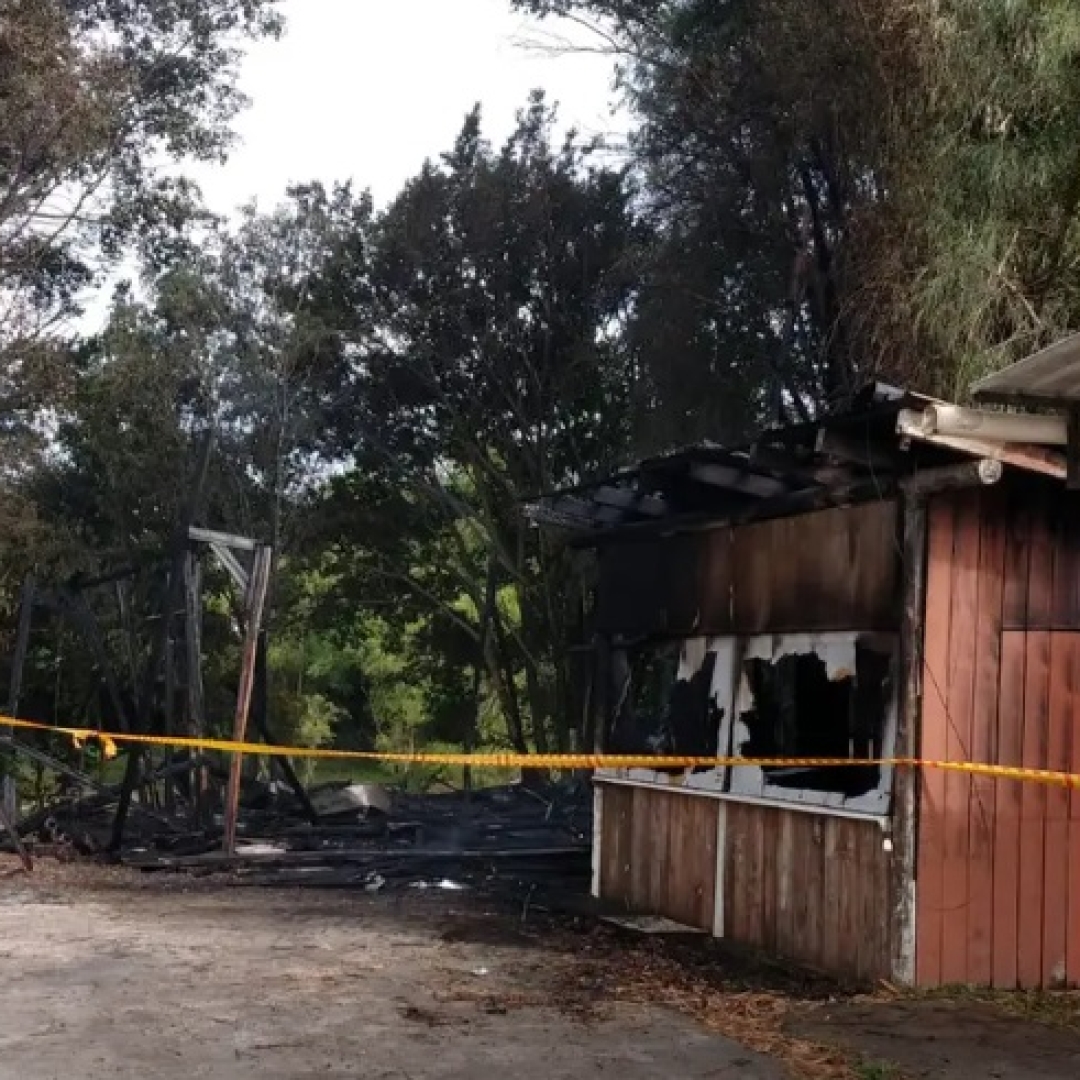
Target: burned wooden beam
[[1072, 450], [907, 782], [796, 502], [346, 857], [732, 478], [228, 540], [14, 746], [254, 602], [861, 452], [628, 499], [7, 823], [925, 482]]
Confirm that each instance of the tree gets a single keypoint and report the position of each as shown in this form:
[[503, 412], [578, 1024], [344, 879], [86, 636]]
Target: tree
[[97, 99], [845, 189], [759, 148], [971, 262], [493, 370]]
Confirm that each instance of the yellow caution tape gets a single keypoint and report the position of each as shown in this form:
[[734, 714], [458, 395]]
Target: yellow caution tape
[[110, 739], [108, 745]]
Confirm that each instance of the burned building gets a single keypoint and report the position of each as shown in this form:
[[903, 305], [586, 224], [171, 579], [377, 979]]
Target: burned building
[[886, 583]]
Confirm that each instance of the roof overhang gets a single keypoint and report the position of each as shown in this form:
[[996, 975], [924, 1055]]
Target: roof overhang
[[866, 453], [1046, 379]]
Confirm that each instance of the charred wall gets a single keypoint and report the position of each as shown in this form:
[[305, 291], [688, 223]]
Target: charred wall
[[835, 569]]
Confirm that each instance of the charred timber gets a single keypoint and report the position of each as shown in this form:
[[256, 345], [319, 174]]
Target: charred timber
[[984, 472]]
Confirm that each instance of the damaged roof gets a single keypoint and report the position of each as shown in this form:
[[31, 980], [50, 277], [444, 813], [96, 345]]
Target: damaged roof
[[852, 456]]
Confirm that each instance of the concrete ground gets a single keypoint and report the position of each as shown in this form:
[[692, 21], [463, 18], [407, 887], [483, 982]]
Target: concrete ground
[[112, 981], [109, 974]]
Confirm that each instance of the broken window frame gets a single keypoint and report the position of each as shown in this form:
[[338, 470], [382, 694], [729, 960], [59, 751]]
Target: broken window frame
[[694, 654], [731, 693], [838, 651]]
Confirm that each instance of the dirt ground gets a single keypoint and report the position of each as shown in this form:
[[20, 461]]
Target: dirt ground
[[112, 974]]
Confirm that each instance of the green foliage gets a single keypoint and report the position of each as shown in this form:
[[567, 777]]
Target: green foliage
[[816, 194], [843, 189], [95, 97], [984, 216]]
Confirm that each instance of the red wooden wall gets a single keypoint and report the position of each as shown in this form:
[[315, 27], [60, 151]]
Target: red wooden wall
[[807, 887], [998, 869]]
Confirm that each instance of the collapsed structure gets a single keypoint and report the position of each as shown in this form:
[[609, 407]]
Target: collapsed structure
[[901, 580]]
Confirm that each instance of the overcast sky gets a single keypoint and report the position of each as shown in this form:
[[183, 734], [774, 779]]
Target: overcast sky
[[367, 89]]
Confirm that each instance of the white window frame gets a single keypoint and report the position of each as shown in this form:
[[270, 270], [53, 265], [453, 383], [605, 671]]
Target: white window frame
[[730, 692]]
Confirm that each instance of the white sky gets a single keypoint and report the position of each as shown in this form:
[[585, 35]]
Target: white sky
[[367, 89]]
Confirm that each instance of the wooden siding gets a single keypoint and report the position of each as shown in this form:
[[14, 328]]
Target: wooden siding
[[998, 870], [833, 569], [808, 887], [658, 853]]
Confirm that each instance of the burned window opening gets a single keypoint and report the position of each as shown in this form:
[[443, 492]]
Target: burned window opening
[[801, 709], [658, 713]]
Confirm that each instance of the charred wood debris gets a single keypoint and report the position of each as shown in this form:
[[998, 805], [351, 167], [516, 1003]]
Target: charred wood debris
[[197, 813], [365, 835]]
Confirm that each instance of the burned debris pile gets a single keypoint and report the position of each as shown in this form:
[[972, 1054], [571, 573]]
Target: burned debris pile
[[140, 628], [364, 835]]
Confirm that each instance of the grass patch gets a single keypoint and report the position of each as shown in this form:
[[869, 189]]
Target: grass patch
[[876, 1070], [1055, 1008]]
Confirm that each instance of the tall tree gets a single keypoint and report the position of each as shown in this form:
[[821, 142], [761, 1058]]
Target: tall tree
[[759, 145], [846, 188], [98, 98], [971, 262], [500, 280]]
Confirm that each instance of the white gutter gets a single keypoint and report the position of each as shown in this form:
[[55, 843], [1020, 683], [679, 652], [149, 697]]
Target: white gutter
[[916, 424], [955, 420]]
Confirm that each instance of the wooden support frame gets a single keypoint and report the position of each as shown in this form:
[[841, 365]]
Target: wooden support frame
[[231, 565], [227, 540], [171, 598], [254, 603]]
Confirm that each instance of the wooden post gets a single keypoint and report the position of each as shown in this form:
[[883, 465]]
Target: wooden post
[[171, 598], [1072, 450], [907, 782], [195, 710], [253, 610]]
